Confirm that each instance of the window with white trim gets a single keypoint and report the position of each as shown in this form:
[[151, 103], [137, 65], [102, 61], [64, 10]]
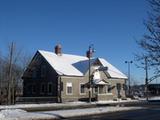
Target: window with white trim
[[69, 87]]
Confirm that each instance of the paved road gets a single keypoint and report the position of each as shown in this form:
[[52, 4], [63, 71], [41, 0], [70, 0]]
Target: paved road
[[150, 113]]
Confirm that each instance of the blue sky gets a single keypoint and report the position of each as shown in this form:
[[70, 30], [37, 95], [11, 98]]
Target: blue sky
[[111, 25]]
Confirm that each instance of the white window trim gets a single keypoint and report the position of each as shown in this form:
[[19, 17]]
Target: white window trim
[[80, 89], [67, 89]]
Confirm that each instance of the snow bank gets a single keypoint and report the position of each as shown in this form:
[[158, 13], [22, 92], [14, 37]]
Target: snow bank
[[18, 114], [11, 114]]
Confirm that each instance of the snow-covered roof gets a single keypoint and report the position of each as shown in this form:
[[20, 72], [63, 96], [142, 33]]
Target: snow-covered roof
[[74, 65], [112, 71]]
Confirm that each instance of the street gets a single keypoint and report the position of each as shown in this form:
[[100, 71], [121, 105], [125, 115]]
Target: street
[[149, 113]]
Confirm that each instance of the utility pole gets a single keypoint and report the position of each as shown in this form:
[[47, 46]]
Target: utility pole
[[146, 79], [129, 78], [89, 78], [89, 55], [10, 81]]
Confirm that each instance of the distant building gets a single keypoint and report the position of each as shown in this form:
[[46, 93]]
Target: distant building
[[58, 77], [154, 89], [138, 90]]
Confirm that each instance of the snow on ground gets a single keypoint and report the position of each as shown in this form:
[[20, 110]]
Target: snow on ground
[[23, 106], [151, 98], [118, 101], [14, 112], [18, 114], [154, 98]]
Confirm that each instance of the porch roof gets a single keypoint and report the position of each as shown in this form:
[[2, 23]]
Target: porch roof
[[100, 82]]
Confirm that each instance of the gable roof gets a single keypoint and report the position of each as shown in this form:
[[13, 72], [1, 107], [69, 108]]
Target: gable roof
[[112, 71], [74, 65]]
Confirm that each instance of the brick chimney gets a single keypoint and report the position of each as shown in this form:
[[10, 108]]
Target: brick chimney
[[58, 49]]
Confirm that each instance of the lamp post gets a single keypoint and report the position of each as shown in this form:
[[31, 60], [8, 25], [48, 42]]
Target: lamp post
[[89, 55], [146, 79], [129, 89], [0, 79]]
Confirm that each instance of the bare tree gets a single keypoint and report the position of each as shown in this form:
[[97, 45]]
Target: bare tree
[[13, 67], [150, 43]]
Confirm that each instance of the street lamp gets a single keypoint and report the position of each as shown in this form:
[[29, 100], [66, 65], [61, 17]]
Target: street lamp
[[89, 55], [129, 89], [0, 78], [146, 80]]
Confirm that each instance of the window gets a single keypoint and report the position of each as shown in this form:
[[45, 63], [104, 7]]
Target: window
[[49, 88], [96, 89], [102, 89], [43, 71], [69, 88], [42, 88], [82, 88], [109, 90], [33, 89], [118, 86], [34, 73], [124, 87]]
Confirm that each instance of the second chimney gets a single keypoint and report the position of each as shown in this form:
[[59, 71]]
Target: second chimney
[[58, 49]]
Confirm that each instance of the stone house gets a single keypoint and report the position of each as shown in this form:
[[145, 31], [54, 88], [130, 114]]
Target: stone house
[[59, 77]]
